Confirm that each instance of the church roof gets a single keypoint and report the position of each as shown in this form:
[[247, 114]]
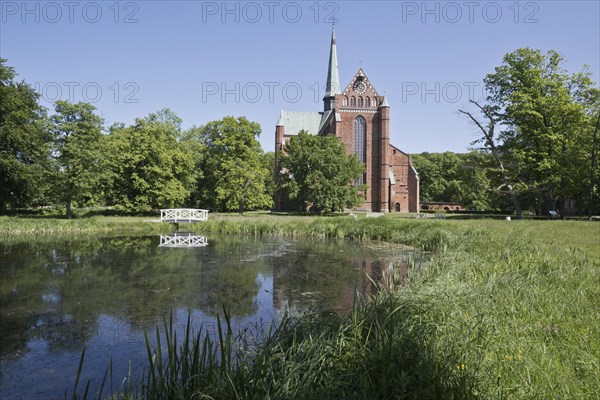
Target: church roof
[[294, 121], [328, 117]]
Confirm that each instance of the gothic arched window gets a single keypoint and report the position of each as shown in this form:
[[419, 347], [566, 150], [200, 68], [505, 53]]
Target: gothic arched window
[[368, 102], [353, 101], [374, 101], [345, 101], [360, 102], [360, 139]]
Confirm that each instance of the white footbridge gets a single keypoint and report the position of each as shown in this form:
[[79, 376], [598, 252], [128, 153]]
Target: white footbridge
[[183, 215]]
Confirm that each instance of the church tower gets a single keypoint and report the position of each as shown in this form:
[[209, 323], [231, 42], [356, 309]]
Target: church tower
[[363, 128], [360, 118], [332, 87]]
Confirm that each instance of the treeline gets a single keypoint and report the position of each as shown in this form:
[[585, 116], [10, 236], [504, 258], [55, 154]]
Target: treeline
[[536, 146], [473, 180], [71, 159], [535, 150], [466, 178], [538, 123]]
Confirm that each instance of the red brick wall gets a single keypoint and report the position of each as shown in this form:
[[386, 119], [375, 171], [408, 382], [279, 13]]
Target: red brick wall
[[413, 192], [405, 192], [345, 132], [400, 193]]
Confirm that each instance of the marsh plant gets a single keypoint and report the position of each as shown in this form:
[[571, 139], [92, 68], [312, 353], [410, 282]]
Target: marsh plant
[[502, 310]]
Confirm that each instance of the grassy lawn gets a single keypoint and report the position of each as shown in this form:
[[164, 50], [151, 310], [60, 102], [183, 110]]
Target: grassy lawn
[[517, 308], [503, 310], [19, 225]]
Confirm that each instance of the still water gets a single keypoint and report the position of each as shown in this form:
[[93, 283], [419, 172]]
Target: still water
[[59, 295]]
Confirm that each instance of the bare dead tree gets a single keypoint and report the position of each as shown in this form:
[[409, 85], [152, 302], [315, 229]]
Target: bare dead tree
[[488, 138]]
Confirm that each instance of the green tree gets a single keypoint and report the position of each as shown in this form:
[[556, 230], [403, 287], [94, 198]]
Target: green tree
[[489, 138], [458, 177], [77, 133], [268, 161], [478, 179], [150, 168], [234, 175], [438, 173], [593, 185], [24, 143], [318, 175], [194, 146], [545, 116]]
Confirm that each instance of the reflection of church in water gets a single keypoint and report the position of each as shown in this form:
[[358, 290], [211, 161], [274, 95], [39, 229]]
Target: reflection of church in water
[[294, 291], [360, 118]]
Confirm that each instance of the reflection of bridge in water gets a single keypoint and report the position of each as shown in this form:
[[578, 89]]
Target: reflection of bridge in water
[[183, 240]]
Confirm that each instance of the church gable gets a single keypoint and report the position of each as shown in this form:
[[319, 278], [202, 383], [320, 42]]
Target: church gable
[[360, 92]]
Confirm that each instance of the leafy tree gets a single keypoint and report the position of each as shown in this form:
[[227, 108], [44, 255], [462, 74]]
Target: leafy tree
[[318, 175], [544, 111], [489, 138], [545, 119], [234, 173], [438, 173], [455, 177], [479, 178], [192, 144], [77, 135], [594, 187], [150, 168], [24, 143], [268, 161]]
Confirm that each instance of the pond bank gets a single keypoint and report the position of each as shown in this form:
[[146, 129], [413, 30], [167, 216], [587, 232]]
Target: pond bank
[[43, 225], [504, 309]]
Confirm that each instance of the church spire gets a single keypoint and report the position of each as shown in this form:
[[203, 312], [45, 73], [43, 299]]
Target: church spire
[[333, 81]]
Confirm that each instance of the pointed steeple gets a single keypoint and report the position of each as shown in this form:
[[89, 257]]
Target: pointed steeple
[[333, 81]]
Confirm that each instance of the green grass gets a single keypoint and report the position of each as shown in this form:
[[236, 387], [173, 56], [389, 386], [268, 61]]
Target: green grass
[[427, 235], [503, 310], [522, 304], [15, 225]]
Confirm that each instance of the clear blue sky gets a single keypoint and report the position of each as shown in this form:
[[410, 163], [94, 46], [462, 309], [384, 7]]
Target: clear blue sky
[[209, 59]]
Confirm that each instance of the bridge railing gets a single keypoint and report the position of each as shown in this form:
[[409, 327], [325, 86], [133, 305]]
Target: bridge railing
[[183, 215]]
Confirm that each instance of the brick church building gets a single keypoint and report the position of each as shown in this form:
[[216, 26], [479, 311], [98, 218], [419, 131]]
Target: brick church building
[[360, 118]]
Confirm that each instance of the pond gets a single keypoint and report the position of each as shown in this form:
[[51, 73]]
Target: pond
[[59, 295]]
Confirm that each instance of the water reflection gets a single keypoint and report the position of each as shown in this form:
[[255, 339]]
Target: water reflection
[[59, 295], [183, 239]]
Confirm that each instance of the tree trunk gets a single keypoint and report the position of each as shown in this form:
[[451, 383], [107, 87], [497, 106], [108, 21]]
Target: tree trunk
[[593, 170], [512, 194], [516, 204], [69, 212]]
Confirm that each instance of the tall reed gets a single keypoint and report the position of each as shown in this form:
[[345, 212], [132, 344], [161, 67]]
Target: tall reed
[[500, 311]]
